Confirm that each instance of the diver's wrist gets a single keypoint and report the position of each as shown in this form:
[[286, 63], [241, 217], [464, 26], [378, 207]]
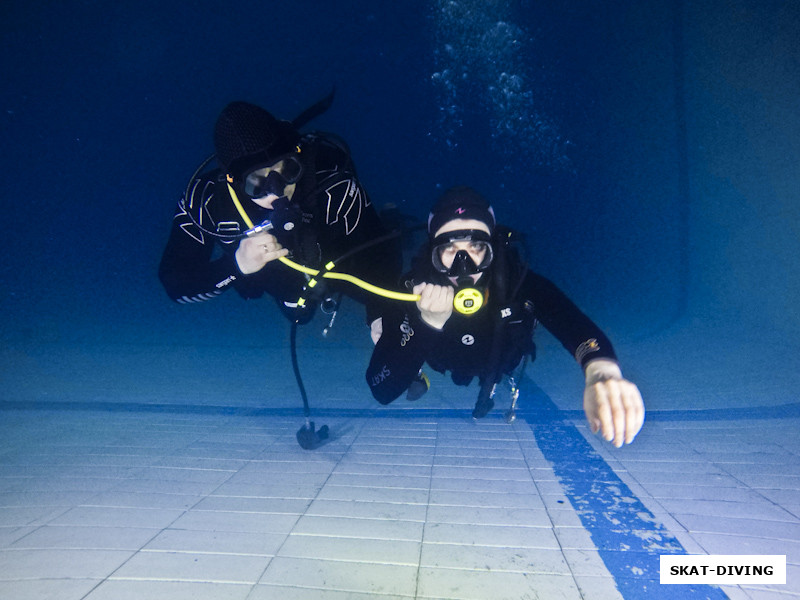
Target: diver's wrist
[[601, 369], [434, 323], [420, 321]]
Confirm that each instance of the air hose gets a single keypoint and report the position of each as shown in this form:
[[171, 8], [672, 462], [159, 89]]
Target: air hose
[[328, 273]]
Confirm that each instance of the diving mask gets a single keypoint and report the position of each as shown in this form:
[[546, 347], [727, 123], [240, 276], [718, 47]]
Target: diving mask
[[460, 255], [273, 178]]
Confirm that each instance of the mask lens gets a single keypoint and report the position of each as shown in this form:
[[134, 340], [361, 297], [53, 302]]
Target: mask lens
[[462, 249], [274, 178], [291, 169], [264, 182]]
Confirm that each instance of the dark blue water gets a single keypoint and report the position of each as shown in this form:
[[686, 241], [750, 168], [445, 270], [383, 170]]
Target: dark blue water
[[648, 150]]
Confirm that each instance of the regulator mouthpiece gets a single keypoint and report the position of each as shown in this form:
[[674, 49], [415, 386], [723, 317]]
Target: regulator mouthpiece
[[468, 301]]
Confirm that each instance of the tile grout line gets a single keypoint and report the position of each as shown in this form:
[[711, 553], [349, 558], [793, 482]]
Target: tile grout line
[[157, 533], [539, 491], [288, 535], [427, 508]]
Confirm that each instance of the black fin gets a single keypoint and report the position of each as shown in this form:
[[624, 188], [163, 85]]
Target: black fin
[[313, 111]]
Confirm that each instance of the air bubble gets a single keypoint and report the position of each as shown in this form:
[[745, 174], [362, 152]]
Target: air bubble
[[480, 57]]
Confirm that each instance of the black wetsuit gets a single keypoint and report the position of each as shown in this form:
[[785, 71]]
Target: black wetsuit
[[465, 345], [337, 217]]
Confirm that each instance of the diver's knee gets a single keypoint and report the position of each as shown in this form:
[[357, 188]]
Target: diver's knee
[[382, 399]]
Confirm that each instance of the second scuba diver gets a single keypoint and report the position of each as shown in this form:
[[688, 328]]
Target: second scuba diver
[[470, 263], [306, 186]]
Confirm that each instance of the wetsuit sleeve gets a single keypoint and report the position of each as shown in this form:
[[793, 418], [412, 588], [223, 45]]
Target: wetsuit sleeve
[[187, 270], [398, 355], [584, 340]]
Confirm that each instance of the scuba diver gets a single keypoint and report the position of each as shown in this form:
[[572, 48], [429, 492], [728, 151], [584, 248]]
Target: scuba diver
[[277, 195], [283, 214], [477, 310]]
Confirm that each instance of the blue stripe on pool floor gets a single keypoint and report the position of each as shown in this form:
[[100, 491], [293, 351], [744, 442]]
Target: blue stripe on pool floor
[[627, 535]]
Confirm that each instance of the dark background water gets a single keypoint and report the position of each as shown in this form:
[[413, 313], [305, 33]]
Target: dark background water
[[649, 151]]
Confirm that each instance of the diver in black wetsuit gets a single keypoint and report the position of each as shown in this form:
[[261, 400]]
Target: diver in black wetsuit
[[470, 261], [306, 186]]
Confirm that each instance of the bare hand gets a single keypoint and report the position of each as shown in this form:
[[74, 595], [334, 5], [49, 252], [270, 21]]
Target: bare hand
[[435, 304], [614, 407], [256, 251]]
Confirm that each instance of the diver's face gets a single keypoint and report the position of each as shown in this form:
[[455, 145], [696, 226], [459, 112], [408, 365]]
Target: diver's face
[[476, 250], [265, 200]]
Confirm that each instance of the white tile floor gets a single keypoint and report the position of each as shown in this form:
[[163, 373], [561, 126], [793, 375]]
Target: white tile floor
[[138, 503], [137, 472]]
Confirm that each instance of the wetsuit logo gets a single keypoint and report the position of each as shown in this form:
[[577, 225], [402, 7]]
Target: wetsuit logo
[[345, 201], [467, 339], [407, 331], [587, 347], [380, 377]]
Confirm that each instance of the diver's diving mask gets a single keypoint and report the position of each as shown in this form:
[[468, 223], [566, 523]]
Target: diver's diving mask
[[461, 254], [274, 177]]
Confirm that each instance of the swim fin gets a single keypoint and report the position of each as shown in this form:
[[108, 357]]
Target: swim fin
[[309, 438], [418, 387]]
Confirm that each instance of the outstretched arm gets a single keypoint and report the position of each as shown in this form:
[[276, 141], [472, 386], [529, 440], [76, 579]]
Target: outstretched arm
[[613, 405]]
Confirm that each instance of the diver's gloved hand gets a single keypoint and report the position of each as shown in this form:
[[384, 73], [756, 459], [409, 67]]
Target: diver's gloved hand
[[435, 304], [256, 251], [613, 405]]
